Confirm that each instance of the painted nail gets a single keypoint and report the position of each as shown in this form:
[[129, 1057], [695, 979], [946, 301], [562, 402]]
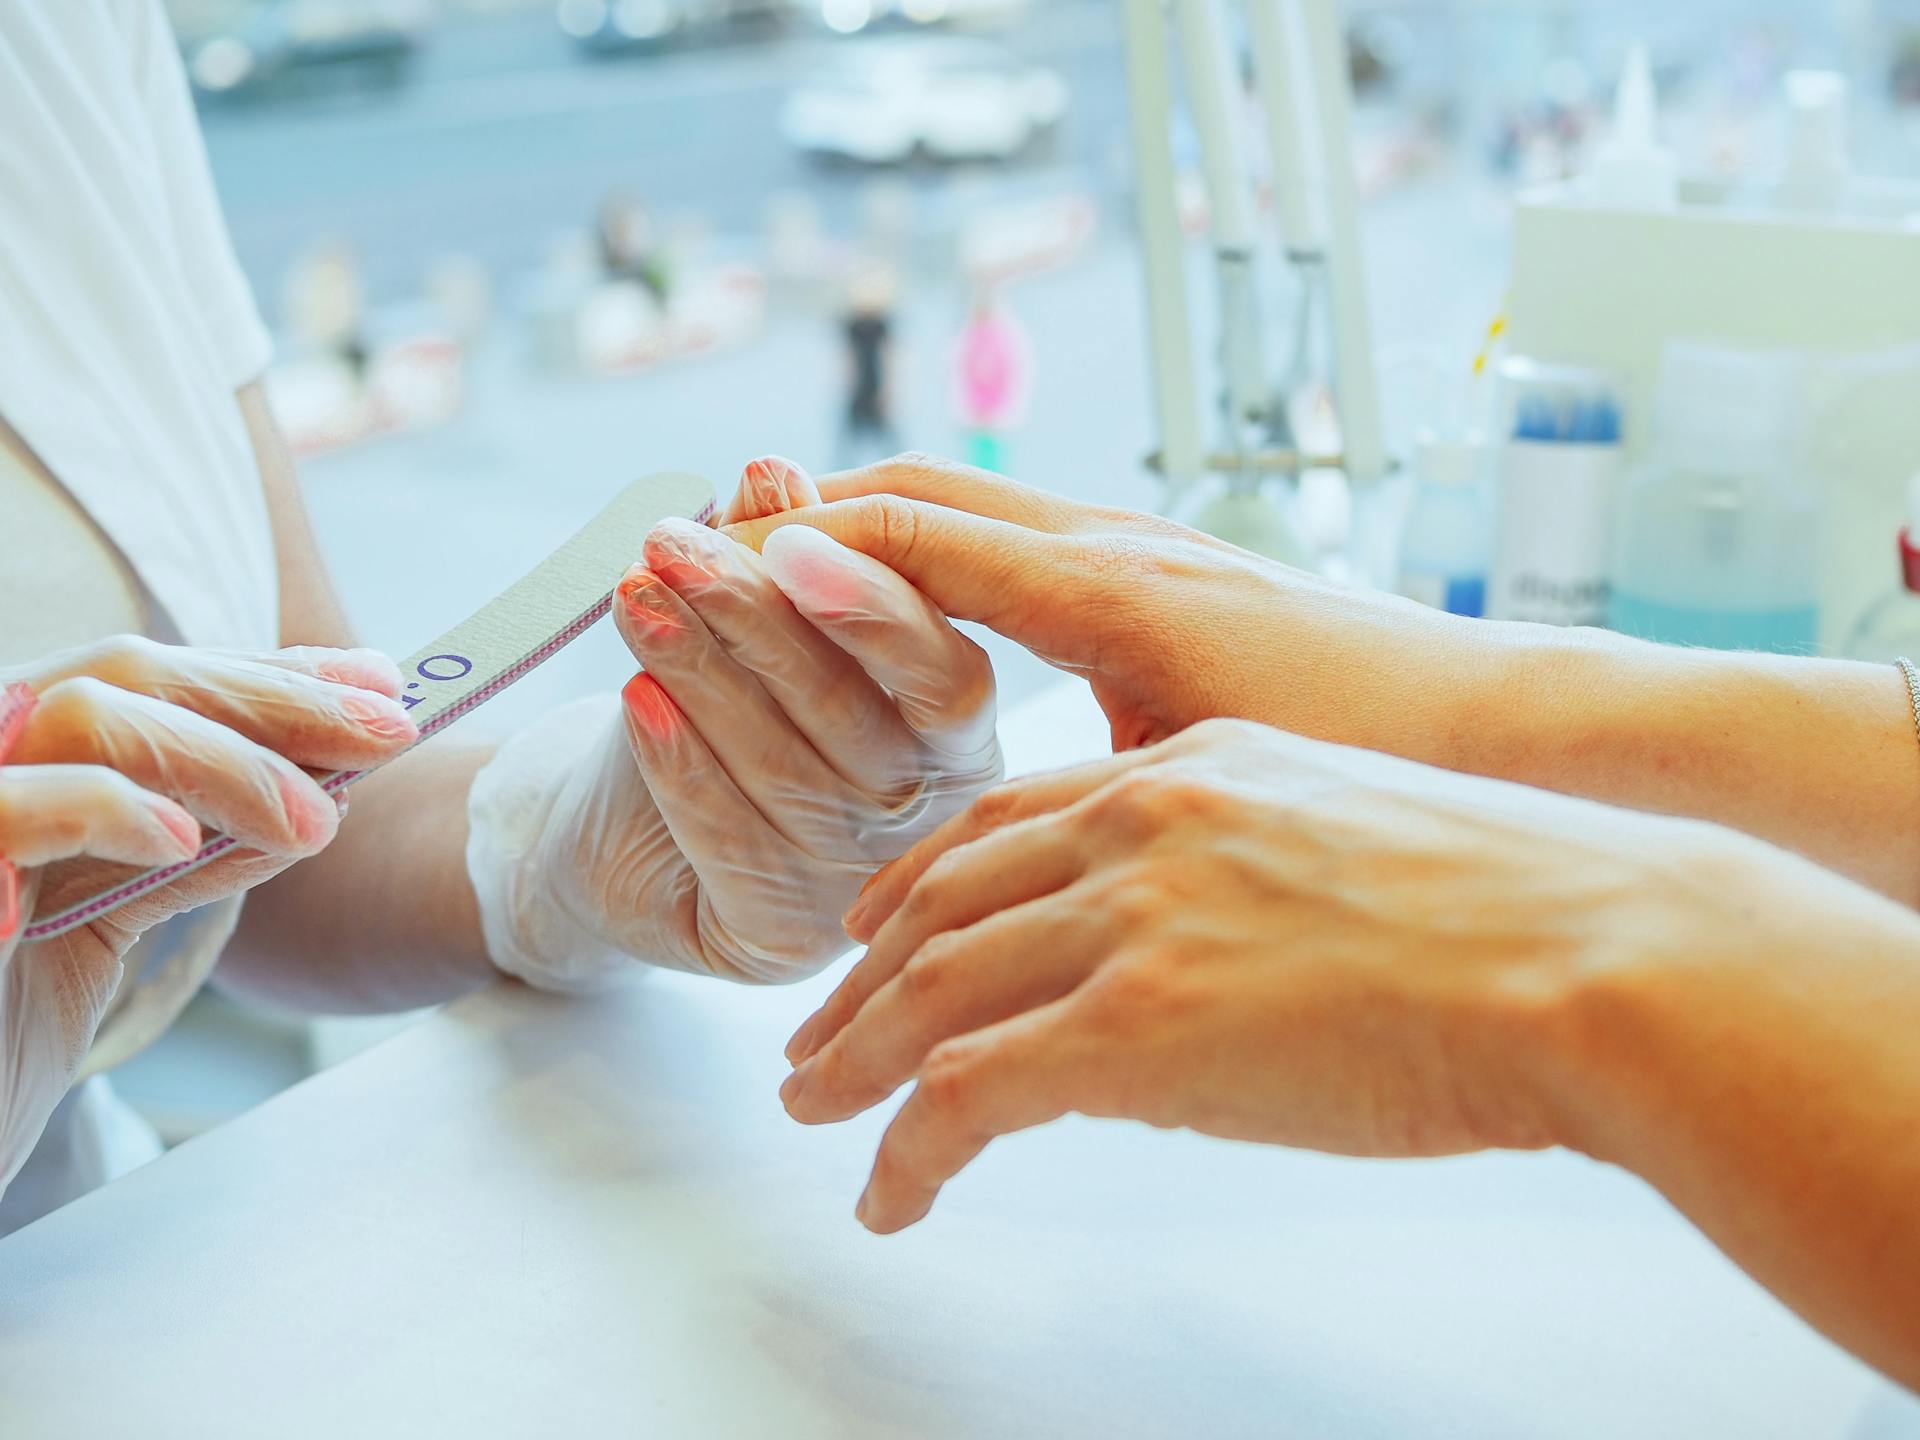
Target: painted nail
[[182, 830], [651, 712], [380, 716], [312, 826], [647, 608], [364, 670]]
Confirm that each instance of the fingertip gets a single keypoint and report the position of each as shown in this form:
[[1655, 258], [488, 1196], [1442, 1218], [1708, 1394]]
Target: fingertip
[[644, 611], [182, 830], [312, 815], [652, 717], [816, 572], [364, 670]]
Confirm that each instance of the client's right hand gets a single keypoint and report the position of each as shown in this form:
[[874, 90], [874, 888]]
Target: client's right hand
[[1171, 626], [129, 746]]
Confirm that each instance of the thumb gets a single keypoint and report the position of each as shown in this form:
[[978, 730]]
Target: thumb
[[941, 681], [1019, 582]]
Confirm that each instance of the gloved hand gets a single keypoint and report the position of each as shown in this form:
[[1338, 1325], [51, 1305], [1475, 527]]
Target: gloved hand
[[127, 747], [794, 730]]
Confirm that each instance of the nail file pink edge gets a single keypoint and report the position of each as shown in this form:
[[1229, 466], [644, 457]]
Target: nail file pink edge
[[534, 620]]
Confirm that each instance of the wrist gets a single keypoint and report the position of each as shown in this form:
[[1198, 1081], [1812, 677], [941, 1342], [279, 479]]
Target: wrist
[[530, 932], [1682, 988]]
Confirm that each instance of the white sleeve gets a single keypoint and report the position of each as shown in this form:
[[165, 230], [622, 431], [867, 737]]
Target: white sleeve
[[227, 308]]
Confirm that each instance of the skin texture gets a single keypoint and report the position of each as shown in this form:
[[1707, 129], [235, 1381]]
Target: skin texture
[[1261, 936], [1267, 938], [1172, 627]]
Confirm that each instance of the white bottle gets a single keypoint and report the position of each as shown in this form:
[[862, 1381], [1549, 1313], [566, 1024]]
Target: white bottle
[[1632, 170], [1717, 543], [1890, 630], [1558, 479], [1447, 539]]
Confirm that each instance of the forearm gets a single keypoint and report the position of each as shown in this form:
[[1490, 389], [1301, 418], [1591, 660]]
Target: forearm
[[385, 918], [1757, 1058], [1817, 756]]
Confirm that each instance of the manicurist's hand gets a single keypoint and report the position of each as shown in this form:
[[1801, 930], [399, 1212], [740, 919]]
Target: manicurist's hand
[[124, 750], [798, 723], [1173, 627]]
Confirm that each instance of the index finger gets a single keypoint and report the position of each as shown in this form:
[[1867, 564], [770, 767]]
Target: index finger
[[286, 701], [1002, 574], [1006, 805]]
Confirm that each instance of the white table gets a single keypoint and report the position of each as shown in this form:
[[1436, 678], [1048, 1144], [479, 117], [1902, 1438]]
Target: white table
[[528, 1217]]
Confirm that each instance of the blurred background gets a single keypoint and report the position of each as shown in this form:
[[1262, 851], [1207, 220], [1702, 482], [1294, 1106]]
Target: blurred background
[[518, 251]]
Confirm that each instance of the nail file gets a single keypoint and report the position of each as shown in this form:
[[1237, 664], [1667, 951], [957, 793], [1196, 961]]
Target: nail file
[[539, 616]]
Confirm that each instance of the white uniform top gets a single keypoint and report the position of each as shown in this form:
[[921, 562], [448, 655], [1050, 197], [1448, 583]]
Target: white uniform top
[[129, 495]]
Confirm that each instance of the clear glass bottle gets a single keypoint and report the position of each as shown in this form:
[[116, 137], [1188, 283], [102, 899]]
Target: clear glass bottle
[[1890, 630], [1717, 542]]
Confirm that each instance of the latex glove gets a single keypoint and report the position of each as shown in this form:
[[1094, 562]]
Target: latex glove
[[796, 727], [1238, 931], [129, 747], [1171, 626]]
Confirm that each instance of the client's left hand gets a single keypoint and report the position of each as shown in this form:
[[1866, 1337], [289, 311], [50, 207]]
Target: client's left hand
[[795, 728], [1239, 931]]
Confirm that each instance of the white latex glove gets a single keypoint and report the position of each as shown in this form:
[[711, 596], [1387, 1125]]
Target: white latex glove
[[801, 721], [128, 747]]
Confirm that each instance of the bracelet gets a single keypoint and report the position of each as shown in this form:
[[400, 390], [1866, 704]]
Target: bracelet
[[1912, 672]]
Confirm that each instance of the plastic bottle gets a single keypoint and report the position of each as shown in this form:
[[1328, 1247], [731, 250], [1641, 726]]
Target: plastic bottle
[[1890, 630], [1447, 540], [1717, 543], [1632, 170], [1557, 482]]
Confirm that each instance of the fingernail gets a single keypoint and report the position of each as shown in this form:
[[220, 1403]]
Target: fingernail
[[800, 1046], [815, 571], [855, 918], [795, 1085], [684, 553], [182, 830], [380, 716], [762, 488], [364, 670], [646, 604], [313, 826], [649, 708], [860, 1208]]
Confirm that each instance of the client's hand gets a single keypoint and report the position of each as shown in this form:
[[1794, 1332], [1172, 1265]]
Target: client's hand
[[125, 748], [1239, 931], [770, 758], [1171, 626]]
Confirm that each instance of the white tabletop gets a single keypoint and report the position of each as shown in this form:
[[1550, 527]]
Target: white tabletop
[[533, 1217]]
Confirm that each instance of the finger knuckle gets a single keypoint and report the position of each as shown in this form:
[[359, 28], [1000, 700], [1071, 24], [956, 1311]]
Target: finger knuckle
[[947, 1079], [124, 659], [1126, 995], [894, 524], [928, 973], [918, 465], [82, 700]]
